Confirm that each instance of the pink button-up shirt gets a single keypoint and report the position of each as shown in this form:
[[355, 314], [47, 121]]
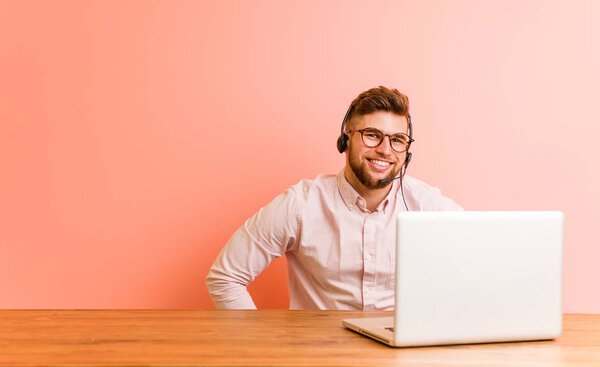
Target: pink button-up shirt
[[339, 254]]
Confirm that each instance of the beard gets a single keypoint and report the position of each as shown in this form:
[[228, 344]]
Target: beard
[[360, 171]]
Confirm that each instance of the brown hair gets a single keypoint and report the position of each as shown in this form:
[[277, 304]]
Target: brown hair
[[379, 99]]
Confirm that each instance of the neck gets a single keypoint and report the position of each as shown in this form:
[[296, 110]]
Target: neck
[[373, 197]]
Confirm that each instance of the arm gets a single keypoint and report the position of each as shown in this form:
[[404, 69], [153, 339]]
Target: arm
[[265, 236]]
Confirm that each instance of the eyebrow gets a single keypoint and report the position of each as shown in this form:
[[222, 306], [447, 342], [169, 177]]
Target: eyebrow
[[374, 128]]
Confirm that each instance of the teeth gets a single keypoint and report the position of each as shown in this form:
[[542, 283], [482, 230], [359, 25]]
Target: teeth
[[381, 163]]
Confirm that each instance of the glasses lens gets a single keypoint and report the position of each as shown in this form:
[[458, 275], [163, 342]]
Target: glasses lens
[[399, 142], [372, 137]]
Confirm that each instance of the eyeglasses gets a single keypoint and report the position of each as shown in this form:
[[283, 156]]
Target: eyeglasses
[[373, 137]]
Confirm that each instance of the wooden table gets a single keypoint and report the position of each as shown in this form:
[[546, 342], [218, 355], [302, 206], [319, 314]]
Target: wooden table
[[255, 338]]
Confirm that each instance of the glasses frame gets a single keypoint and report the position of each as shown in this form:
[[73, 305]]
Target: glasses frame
[[362, 137]]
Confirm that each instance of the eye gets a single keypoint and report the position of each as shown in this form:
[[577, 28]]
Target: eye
[[372, 134], [399, 139]]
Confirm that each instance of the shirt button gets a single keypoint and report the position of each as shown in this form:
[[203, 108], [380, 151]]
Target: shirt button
[[368, 257]]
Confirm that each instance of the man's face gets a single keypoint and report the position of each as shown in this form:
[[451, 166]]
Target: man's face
[[370, 165]]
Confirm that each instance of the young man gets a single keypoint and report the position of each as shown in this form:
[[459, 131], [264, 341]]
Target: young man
[[337, 231]]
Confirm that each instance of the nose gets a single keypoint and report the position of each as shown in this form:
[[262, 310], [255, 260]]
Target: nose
[[385, 147]]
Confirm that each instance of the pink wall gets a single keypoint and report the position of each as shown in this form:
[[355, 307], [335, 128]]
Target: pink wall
[[136, 136]]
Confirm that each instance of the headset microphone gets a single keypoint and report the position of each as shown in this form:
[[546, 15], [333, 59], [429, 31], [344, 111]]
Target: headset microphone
[[402, 173], [381, 182]]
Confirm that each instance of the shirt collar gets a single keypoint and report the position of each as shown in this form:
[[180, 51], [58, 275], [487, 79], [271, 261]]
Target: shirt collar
[[384, 205], [349, 195], [352, 198]]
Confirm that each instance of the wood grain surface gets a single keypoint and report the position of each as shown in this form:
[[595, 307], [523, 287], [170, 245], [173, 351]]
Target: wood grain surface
[[256, 338]]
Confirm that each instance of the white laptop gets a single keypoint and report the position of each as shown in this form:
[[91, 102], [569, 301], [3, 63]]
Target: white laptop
[[473, 277]]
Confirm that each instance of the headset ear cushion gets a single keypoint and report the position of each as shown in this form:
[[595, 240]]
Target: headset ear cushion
[[342, 143]]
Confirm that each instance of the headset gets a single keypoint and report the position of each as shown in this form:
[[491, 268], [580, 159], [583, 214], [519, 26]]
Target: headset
[[342, 145], [342, 142]]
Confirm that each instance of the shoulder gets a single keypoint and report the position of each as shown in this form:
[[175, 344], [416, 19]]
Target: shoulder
[[322, 184], [426, 197], [418, 187]]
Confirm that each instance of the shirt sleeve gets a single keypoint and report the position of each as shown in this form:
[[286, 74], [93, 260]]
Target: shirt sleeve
[[264, 237]]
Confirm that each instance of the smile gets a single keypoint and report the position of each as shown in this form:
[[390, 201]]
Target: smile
[[378, 164]]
